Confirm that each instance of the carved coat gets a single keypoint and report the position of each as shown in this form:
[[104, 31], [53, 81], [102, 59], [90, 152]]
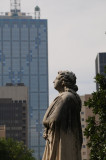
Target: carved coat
[[62, 131]]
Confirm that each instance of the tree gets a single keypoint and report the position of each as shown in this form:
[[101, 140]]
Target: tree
[[14, 150], [96, 125]]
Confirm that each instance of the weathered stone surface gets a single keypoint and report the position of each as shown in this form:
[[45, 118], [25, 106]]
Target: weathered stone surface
[[62, 131]]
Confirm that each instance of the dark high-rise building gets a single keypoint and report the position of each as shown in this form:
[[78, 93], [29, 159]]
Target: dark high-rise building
[[100, 63], [14, 112], [24, 59], [13, 116]]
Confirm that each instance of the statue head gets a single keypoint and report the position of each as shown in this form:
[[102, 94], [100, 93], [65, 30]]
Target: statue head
[[65, 80]]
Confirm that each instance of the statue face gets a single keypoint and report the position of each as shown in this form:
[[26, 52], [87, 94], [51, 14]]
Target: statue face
[[57, 83]]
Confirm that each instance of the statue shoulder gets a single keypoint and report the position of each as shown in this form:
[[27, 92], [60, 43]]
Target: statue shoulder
[[72, 98]]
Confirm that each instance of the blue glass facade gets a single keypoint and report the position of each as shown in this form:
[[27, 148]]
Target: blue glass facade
[[24, 59], [100, 64]]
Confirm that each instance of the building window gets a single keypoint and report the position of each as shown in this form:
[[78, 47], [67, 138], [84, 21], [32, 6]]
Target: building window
[[24, 33], [6, 49], [34, 100], [34, 66], [43, 66], [42, 49], [43, 100], [24, 49], [42, 141], [84, 153], [34, 84], [82, 112], [15, 34], [15, 49], [34, 139], [41, 116], [43, 83], [83, 126], [83, 146], [6, 32], [82, 119]]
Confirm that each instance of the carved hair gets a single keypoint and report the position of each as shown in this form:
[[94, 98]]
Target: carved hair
[[69, 79]]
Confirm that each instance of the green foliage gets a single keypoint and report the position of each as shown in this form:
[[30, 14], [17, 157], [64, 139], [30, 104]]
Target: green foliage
[[96, 128], [14, 150]]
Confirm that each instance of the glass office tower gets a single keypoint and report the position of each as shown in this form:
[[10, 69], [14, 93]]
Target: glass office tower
[[24, 59], [100, 64]]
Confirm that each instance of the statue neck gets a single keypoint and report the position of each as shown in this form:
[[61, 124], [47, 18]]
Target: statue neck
[[64, 89]]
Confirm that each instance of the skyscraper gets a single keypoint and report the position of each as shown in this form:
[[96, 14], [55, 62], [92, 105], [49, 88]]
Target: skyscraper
[[100, 63], [24, 59]]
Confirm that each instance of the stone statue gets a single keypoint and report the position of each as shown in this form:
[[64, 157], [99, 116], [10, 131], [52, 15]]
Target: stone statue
[[63, 133]]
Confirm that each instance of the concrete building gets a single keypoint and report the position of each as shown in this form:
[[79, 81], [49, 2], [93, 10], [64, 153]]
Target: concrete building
[[85, 112], [14, 112], [2, 131], [24, 59], [100, 63]]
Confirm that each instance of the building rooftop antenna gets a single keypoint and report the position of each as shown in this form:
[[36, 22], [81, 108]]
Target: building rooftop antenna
[[15, 6], [37, 12]]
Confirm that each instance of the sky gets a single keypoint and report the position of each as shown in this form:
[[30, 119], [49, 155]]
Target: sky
[[76, 34]]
